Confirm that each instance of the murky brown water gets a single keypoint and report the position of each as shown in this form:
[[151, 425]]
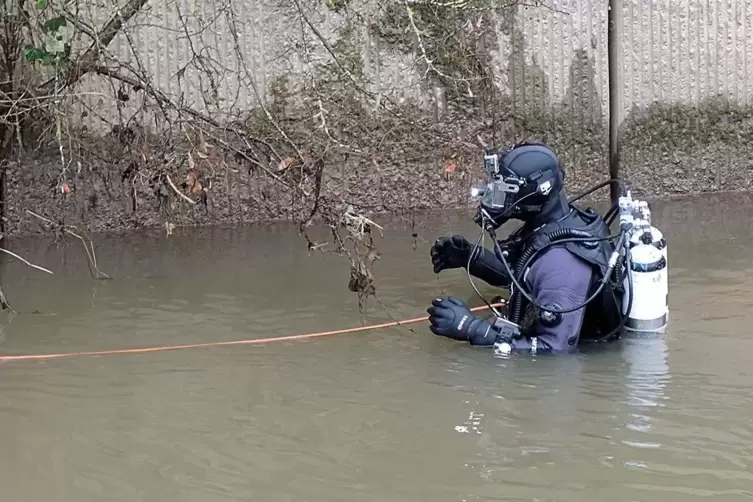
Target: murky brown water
[[380, 416]]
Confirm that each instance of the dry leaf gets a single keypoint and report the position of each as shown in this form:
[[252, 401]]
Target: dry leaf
[[192, 183], [286, 163]]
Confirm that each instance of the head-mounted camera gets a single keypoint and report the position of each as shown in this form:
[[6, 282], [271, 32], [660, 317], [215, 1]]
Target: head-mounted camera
[[500, 193]]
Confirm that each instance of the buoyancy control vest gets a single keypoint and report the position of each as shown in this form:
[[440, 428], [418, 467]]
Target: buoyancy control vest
[[603, 313]]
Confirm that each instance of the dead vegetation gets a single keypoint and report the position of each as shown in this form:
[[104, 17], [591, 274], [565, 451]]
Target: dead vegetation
[[171, 153]]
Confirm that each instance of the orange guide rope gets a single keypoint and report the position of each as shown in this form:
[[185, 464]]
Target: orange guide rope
[[255, 341]]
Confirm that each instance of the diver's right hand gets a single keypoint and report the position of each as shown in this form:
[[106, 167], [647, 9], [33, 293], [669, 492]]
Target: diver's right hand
[[450, 252]]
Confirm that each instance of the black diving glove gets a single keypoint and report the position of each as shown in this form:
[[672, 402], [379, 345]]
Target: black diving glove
[[453, 252], [451, 318], [450, 252]]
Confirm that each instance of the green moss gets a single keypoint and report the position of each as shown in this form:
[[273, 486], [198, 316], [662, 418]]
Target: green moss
[[560, 127], [681, 126], [686, 149], [280, 94], [337, 6], [348, 50]]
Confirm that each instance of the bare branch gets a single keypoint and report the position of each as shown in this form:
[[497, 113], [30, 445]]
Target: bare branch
[[156, 94], [300, 136], [14, 255], [178, 192], [4, 305], [87, 62], [88, 246]]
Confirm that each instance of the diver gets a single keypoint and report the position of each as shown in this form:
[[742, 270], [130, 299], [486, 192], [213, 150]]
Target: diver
[[574, 297]]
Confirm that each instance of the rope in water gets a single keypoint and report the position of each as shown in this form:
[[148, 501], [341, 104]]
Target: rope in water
[[254, 341]]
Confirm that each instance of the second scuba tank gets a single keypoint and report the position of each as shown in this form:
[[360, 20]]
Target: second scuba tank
[[649, 296], [657, 238], [649, 308], [652, 236]]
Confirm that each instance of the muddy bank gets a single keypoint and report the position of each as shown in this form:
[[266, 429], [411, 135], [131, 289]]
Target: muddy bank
[[340, 131], [667, 151]]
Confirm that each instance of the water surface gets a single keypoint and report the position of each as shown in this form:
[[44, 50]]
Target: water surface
[[389, 415]]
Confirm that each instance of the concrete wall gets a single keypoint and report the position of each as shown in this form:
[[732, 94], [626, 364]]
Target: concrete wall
[[670, 52], [684, 80]]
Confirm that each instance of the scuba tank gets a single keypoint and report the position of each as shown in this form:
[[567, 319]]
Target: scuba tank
[[657, 238], [646, 299], [646, 302]]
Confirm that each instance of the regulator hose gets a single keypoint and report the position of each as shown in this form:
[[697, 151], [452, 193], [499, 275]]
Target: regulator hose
[[629, 292], [515, 308], [589, 191], [611, 214], [473, 255], [515, 311], [618, 272], [609, 217]]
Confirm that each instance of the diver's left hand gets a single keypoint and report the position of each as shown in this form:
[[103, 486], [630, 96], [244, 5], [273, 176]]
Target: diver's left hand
[[450, 317]]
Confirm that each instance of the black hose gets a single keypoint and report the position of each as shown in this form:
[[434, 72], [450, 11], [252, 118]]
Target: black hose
[[626, 315], [468, 272], [515, 309], [611, 214], [572, 235], [598, 186], [476, 247], [521, 291], [569, 239], [516, 305]]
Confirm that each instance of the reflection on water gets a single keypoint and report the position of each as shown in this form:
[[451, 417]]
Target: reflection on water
[[394, 414], [647, 379]]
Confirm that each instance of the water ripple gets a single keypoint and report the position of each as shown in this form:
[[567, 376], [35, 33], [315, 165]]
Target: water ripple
[[395, 414]]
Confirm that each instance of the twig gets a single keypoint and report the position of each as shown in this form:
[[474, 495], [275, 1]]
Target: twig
[[89, 249], [348, 74], [88, 60], [399, 323], [178, 192], [156, 94], [359, 221], [24, 260], [4, 305]]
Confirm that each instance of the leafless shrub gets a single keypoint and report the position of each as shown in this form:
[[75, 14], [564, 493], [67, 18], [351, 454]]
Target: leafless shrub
[[329, 118]]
